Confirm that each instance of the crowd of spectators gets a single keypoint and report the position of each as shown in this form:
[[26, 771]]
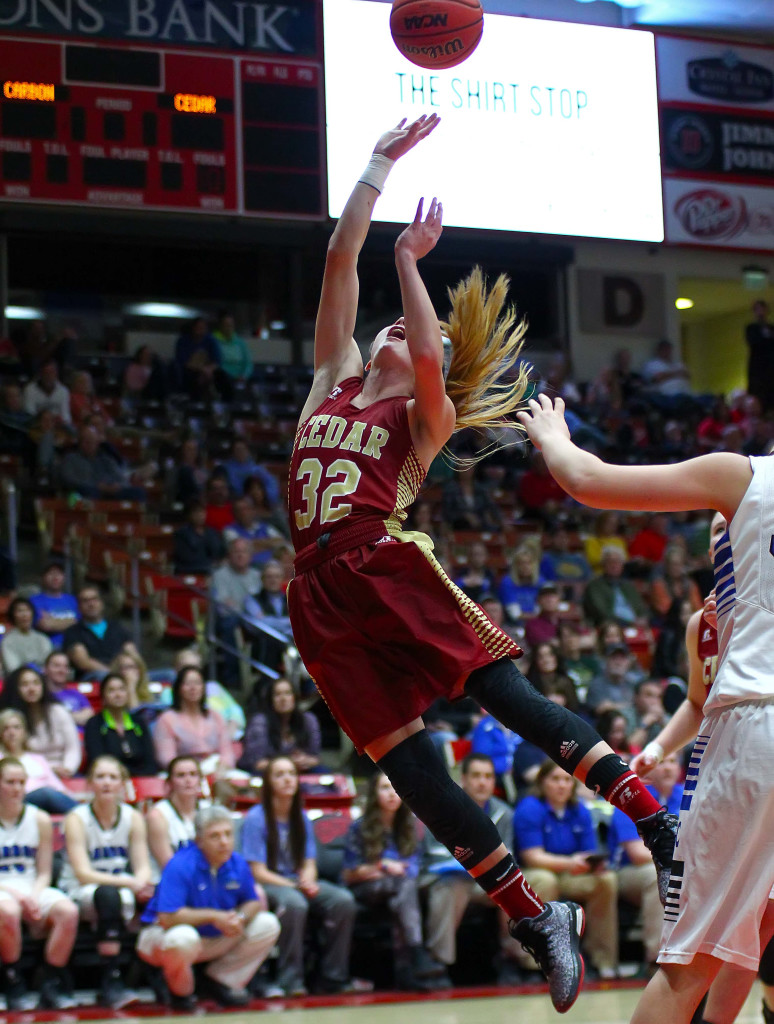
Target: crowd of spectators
[[598, 601]]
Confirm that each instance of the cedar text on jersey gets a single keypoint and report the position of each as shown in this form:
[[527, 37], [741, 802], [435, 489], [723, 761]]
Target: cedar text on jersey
[[359, 438]]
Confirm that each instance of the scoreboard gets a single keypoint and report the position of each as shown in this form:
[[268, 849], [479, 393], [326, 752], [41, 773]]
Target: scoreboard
[[95, 125]]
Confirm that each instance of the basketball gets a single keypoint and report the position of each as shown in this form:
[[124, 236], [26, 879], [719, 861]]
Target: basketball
[[436, 33]]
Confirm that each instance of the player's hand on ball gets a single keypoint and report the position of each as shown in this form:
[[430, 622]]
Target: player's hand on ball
[[399, 140], [544, 419], [421, 235]]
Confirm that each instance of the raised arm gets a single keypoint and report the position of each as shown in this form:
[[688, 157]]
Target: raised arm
[[715, 481], [431, 413], [336, 356], [684, 725]]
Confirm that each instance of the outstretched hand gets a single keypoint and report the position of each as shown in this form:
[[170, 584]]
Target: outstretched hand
[[544, 419], [421, 235], [399, 140]]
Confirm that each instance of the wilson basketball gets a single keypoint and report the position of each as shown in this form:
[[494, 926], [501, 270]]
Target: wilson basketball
[[436, 33]]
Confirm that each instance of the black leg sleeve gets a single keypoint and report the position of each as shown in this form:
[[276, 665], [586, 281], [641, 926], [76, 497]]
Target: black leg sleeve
[[509, 697], [421, 780]]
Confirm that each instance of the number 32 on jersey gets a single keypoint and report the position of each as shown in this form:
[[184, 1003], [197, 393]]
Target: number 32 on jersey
[[344, 476]]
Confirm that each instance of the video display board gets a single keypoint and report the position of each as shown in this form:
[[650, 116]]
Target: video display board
[[548, 127]]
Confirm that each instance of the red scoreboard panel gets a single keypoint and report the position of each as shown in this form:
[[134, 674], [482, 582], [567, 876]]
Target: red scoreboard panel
[[156, 129]]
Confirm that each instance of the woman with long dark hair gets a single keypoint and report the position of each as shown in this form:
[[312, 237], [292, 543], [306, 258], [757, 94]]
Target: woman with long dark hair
[[381, 864], [50, 726], [282, 730], [612, 727], [190, 727], [546, 673], [278, 842]]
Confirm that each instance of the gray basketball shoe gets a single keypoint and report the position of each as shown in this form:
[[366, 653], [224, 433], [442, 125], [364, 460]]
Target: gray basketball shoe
[[553, 939]]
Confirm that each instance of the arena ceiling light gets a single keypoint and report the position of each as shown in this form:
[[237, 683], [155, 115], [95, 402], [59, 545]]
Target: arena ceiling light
[[684, 303], [23, 313], [161, 309]]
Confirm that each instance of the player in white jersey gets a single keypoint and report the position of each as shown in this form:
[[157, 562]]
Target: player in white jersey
[[718, 909], [107, 871], [26, 896], [731, 987], [171, 822]]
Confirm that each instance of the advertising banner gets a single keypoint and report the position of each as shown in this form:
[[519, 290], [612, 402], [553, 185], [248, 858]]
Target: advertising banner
[[730, 216], [716, 110]]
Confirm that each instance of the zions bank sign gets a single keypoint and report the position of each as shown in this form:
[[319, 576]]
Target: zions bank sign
[[286, 28]]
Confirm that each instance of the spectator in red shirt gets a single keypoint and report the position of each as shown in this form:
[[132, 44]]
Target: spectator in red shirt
[[539, 493], [220, 514], [544, 627], [650, 543], [709, 432]]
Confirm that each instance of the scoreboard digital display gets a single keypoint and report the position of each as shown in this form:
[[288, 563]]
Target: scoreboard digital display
[[95, 125]]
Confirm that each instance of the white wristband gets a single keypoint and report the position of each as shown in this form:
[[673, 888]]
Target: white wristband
[[375, 174], [655, 751]]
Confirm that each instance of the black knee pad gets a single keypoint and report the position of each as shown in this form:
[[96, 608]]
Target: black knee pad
[[766, 968], [110, 919], [420, 778], [510, 698]]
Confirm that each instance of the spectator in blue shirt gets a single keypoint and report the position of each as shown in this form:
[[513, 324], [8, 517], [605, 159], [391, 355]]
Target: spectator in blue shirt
[[494, 741], [519, 588], [207, 908], [197, 360], [241, 466], [637, 880], [560, 564], [262, 536], [381, 865], [279, 844], [477, 578], [558, 848], [55, 609]]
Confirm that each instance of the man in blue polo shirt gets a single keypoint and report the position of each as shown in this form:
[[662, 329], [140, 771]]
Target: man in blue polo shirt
[[637, 879], [207, 908]]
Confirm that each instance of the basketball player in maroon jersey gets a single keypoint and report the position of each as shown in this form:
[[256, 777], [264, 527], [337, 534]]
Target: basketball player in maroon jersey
[[381, 628]]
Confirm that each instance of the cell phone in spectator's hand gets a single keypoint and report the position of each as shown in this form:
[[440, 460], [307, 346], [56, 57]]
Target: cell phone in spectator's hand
[[595, 859]]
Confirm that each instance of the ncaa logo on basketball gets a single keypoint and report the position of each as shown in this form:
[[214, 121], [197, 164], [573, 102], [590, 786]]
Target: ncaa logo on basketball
[[426, 21]]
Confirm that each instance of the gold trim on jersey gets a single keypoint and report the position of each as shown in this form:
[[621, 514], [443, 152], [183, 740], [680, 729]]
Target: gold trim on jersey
[[410, 479], [496, 642]]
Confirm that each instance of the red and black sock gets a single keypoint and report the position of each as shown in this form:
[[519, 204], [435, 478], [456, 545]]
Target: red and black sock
[[619, 785], [506, 886]]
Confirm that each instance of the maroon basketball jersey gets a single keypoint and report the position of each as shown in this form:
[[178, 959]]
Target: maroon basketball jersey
[[707, 649], [351, 464]]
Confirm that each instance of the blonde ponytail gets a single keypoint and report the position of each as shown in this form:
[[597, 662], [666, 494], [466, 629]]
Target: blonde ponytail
[[486, 382]]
